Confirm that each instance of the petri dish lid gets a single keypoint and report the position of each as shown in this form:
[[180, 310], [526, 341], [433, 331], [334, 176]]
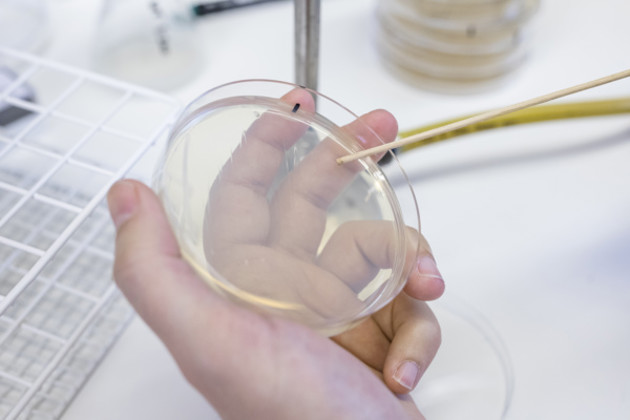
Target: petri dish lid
[[460, 18], [408, 32], [266, 216], [472, 376], [447, 66]]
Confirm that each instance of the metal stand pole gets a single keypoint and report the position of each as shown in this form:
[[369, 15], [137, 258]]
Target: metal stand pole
[[307, 42]]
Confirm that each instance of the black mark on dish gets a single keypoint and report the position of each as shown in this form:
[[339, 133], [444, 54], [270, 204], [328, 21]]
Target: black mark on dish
[[295, 108]]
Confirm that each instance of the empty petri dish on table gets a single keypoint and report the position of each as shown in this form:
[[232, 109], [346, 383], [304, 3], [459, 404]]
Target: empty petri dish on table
[[266, 216], [472, 376]]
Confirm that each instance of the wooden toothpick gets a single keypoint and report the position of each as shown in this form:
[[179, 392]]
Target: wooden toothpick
[[483, 117]]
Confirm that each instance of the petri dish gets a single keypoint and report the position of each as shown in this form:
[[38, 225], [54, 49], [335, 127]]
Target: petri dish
[[266, 216], [453, 45], [475, 384], [460, 16]]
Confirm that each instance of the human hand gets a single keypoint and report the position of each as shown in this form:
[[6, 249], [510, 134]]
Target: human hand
[[284, 369], [279, 236]]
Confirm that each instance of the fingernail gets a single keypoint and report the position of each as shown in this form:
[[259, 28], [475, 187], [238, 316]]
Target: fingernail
[[122, 201], [407, 374], [428, 268]]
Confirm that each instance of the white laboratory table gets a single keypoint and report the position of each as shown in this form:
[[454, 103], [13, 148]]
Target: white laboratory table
[[530, 225]]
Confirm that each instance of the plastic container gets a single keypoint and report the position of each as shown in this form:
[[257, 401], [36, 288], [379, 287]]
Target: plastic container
[[24, 25], [453, 45], [266, 216], [150, 43]]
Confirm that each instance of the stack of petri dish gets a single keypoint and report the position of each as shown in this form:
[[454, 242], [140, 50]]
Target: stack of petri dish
[[453, 45]]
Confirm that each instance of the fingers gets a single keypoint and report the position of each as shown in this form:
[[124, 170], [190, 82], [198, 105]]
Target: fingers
[[415, 341], [403, 339], [310, 188], [255, 163], [425, 281], [366, 342], [237, 207], [299, 290], [406, 401], [358, 250]]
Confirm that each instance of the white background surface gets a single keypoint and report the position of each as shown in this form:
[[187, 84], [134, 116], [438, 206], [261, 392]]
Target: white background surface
[[530, 225]]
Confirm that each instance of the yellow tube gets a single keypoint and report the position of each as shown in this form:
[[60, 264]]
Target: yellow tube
[[529, 115]]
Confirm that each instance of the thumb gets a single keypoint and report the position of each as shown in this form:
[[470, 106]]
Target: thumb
[[199, 328], [148, 267]]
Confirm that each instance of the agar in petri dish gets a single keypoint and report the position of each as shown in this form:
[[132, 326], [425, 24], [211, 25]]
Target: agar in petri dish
[[453, 45], [266, 216]]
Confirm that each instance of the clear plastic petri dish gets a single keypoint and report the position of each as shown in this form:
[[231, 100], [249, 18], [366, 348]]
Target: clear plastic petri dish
[[460, 16], [453, 45], [443, 65], [265, 215], [471, 38], [475, 384]]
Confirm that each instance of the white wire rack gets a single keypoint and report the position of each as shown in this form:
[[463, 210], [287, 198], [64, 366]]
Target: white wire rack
[[59, 309]]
